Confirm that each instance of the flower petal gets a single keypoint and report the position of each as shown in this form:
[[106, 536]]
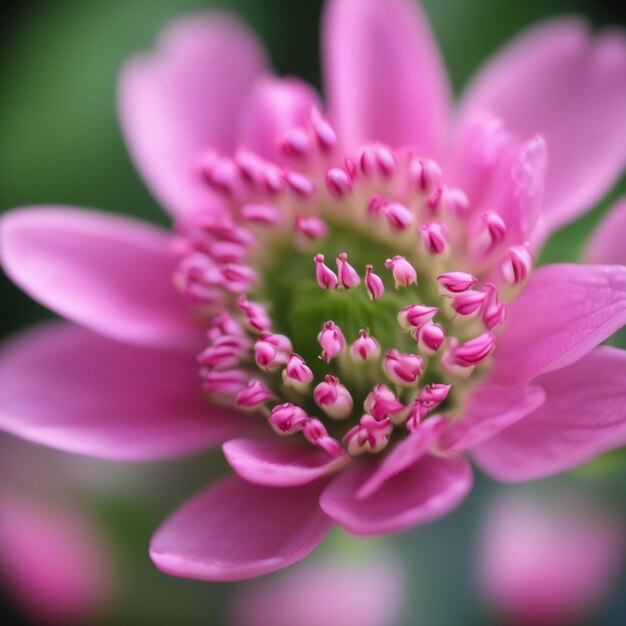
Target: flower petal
[[489, 410], [584, 416], [111, 274], [234, 530], [277, 463], [405, 454], [563, 312], [607, 243], [558, 81], [275, 106], [425, 491], [383, 74], [184, 98], [65, 387]]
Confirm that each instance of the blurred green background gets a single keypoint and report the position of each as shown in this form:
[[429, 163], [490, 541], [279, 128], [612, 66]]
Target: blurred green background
[[60, 143]]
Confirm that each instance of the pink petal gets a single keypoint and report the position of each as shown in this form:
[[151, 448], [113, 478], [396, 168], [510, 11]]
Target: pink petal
[[607, 244], [584, 415], [558, 81], [277, 463], [490, 409], [53, 559], [563, 312], [67, 388], [184, 98], [327, 591], [405, 454], [234, 530], [275, 106], [425, 491], [383, 74], [112, 274]]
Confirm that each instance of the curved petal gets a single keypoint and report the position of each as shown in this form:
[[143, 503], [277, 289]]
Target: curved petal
[[563, 312], [277, 463], [558, 81], [275, 106], [186, 97], [234, 530], [383, 75], [70, 389], [425, 491], [584, 416], [607, 243], [405, 454], [111, 274], [491, 409]]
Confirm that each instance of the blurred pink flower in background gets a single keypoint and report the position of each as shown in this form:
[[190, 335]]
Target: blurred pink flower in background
[[54, 557], [546, 563], [327, 591], [484, 353]]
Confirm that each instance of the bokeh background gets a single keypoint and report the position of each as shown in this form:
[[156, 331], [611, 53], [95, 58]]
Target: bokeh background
[[60, 143]]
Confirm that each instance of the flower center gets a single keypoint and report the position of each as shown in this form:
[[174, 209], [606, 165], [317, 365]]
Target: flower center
[[344, 303]]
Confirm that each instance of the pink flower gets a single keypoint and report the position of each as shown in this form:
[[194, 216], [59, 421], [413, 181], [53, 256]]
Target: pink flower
[[214, 133], [543, 564], [54, 559], [327, 590]]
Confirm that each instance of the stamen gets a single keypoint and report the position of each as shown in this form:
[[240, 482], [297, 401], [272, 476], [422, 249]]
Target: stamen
[[326, 278], [332, 341], [517, 265], [301, 184], [381, 402], [324, 132], [297, 373], [253, 396], [264, 214], [493, 312], [403, 370], [434, 237], [338, 182], [398, 216], [415, 315], [373, 284], [365, 348], [312, 227], [467, 304], [333, 398], [348, 276], [371, 435], [426, 174], [430, 338], [403, 272], [287, 419], [295, 143], [455, 282]]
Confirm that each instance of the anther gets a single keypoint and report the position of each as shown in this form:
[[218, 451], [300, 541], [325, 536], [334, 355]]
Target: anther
[[264, 214], [348, 276], [338, 182], [301, 184], [287, 419], [430, 338], [398, 216], [455, 282], [467, 303], [311, 227], [403, 272], [326, 278], [373, 284], [517, 265], [331, 340], [426, 174], [324, 132], [434, 237], [416, 315], [403, 370], [365, 348], [493, 311], [295, 143], [297, 373], [370, 435], [333, 398], [253, 396]]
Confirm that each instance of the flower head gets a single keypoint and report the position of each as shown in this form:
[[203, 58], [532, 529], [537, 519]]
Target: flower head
[[289, 372]]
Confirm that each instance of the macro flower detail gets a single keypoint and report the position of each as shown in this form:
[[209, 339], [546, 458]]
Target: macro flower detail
[[348, 299]]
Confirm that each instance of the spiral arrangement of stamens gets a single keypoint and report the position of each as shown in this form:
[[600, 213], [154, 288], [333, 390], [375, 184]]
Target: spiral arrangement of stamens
[[446, 265]]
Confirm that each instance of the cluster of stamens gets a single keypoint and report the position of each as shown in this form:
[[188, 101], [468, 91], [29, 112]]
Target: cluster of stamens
[[368, 390]]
